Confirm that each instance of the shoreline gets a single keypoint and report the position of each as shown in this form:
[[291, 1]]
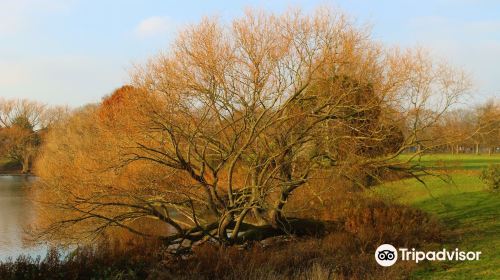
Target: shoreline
[[15, 173]]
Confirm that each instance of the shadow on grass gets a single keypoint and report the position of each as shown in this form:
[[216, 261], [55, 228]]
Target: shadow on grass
[[473, 219], [473, 211]]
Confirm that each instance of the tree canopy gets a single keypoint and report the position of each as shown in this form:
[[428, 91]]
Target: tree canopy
[[22, 122], [214, 137]]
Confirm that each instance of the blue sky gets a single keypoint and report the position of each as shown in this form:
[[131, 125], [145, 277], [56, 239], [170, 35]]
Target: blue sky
[[76, 51]]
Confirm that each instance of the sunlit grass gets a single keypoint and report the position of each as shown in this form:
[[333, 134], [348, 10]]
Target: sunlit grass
[[455, 162], [474, 217], [465, 206], [435, 188]]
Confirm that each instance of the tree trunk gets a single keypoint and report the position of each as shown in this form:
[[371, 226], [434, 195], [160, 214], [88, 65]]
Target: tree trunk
[[277, 220], [477, 148], [26, 165], [222, 230], [257, 213], [239, 221]]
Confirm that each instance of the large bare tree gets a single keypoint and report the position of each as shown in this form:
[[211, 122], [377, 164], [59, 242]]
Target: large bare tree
[[217, 134]]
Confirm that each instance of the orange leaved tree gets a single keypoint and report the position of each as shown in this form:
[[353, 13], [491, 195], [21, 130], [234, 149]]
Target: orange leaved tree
[[215, 136]]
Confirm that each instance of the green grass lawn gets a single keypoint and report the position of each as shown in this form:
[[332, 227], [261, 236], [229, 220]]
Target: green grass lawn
[[466, 207], [455, 162]]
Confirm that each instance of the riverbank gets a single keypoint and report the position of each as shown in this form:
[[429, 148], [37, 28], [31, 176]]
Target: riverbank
[[458, 213], [10, 168], [343, 251]]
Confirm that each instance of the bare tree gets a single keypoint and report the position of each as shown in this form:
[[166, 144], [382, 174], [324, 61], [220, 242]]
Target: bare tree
[[472, 129], [487, 123], [21, 124], [216, 135]]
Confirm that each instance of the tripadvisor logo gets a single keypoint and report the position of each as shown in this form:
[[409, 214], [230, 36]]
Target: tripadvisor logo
[[387, 255]]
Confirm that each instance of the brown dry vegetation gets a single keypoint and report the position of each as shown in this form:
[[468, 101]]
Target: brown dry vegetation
[[343, 251], [23, 124]]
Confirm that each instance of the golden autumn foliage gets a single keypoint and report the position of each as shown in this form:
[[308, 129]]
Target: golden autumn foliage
[[23, 124], [213, 139]]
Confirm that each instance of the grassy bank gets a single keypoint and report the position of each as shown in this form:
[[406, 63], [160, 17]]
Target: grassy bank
[[465, 206]]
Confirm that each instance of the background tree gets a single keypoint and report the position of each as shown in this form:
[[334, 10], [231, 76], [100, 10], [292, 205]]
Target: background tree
[[488, 126], [214, 138], [22, 124], [467, 130]]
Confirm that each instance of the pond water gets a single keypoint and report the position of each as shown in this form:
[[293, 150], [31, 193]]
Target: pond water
[[16, 212]]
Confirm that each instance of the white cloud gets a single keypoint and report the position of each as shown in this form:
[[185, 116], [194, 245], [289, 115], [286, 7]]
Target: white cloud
[[153, 26], [17, 15]]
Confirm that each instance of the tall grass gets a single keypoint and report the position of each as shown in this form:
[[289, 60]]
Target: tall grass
[[345, 251]]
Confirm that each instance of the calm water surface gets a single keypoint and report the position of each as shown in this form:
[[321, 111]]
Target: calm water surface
[[16, 212]]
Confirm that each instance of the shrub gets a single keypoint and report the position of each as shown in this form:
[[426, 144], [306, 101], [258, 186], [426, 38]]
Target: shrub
[[103, 261], [491, 176], [335, 256], [374, 222], [357, 225]]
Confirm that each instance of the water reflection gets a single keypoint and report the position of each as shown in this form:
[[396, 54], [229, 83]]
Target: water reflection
[[16, 212]]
